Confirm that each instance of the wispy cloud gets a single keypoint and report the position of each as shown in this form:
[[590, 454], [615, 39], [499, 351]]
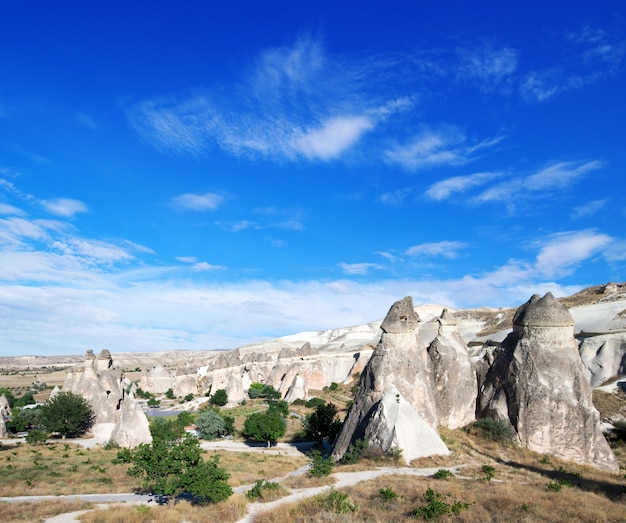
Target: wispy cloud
[[560, 253], [395, 198], [588, 209], [592, 54], [490, 66], [447, 249], [459, 184], [542, 183], [433, 147], [64, 207], [7, 209], [198, 202], [360, 269]]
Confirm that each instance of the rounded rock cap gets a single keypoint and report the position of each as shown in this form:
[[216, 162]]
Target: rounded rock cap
[[543, 312]]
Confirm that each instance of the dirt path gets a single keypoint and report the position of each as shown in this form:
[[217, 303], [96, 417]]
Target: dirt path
[[344, 479]]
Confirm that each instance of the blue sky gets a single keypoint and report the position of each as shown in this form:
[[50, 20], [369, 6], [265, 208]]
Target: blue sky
[[200, 175]]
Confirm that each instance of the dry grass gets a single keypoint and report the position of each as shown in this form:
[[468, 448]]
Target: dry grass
[[61, 468], [306, 481], [610, 405], [37, 512], [228, 511], [248, 467]]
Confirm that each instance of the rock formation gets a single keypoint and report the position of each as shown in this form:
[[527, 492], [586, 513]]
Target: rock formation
[[117, 416], [3, 428], [5, 408], [394, 406], [454, 379], [132, 427], [538, 385]]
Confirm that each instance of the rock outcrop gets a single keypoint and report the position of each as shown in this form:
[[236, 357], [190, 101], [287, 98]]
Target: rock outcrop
[[394, 406], [5, 408], [538, 385], [454, 379], [132, 427], [104, 387]]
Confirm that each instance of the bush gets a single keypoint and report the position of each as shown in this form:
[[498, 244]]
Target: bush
[[338, 502], [443, 474], [494, 429], [320, 466], [355, 451], [437, 506], [261, 485], [36, 436], [387, 494], [170, 394], [314, 402], [220, 398]]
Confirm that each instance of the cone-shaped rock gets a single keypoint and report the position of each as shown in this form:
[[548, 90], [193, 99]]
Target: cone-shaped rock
[[454, 378], [537, 384], [132, 427], [394, 406]]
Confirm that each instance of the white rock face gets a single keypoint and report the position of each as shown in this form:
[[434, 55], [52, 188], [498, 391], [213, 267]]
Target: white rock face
[[3, 428], [297, 390], [604, 357], [538, 385], [132, 427], [5, 408]]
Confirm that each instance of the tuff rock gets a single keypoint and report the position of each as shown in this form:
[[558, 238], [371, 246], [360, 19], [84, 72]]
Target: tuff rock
[[394, 405], [537, 384]]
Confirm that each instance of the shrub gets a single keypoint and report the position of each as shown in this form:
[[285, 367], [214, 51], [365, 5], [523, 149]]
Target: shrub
[[320, 466], [264, 426], [36, 436], [338, 502], [387, 494], [257, 491], [314, 402], [443, 474], [437, 506], [333, 386], [355, 451], [323, 423], [489, 471], [494, 429], [170, 394]]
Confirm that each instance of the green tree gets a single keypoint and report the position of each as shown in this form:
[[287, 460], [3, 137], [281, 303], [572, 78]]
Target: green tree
[[255, 390], [184, 418], [169, 468], [220, 398], [68, 414], [169, 394], [279, 406], [210, 425], [264, 426], [164, 429], [323, 423], [25, 419], [270, 393]]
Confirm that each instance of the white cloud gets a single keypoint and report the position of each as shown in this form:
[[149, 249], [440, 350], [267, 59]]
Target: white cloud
[[64, 207], [99, 251], [433, 147], [205, 266], [562, 252], [7, 209], [542, 183], [334, 137], [447, 249], [458, 184], [560, 175], [360, 269], [588, 209], [198, 202]]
